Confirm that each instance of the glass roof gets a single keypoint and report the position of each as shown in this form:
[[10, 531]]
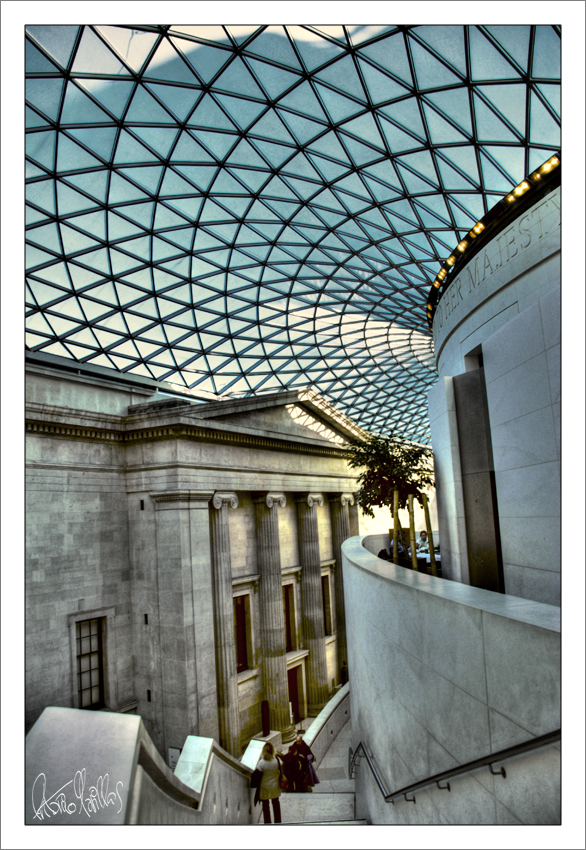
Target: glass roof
[[239, 210]]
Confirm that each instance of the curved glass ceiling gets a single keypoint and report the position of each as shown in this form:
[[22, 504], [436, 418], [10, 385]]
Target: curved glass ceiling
[[239, 210]]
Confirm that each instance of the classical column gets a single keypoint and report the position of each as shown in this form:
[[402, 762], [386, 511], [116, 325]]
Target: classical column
[[340, 531], [185, 620], [272, 617], [228, 715], [312, 611]]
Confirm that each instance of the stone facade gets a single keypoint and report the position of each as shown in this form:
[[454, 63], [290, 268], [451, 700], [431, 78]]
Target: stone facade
[[156, 518]]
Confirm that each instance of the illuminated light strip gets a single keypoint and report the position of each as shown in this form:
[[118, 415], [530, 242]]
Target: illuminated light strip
[[492, 219]]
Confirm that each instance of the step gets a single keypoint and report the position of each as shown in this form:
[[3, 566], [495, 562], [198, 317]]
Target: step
[[317, 808], [334, 823]]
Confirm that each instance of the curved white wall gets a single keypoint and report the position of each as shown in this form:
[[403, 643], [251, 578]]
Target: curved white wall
[[442, 673], [507, 301]]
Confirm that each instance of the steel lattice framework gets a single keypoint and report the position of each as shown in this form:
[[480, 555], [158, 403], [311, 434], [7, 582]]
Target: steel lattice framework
[[243, 209]]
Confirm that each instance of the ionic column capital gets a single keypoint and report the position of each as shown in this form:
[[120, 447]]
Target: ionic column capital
[[311, 498], [269, 499], [221, 499], [343, 498]]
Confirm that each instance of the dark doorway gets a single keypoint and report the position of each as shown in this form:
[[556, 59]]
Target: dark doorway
[[478, 481], [292, 682]]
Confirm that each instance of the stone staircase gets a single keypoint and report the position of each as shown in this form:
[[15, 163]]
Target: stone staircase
[[333, 801]]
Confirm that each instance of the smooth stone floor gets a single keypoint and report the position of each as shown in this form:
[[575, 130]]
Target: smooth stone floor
[[333, 799]]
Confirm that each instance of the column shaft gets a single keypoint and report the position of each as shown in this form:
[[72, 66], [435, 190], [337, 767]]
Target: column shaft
[[312, 610], [340, 532], [228, 714], [272, 616]]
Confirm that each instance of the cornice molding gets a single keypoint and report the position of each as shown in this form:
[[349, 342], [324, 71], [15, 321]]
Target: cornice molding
[[123, 437]]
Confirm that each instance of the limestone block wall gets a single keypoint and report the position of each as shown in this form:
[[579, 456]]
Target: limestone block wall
[[444, 673], [77, 543], [505, 306]]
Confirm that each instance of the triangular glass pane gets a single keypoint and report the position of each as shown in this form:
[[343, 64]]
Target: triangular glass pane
[[406, 113], [275, 154], [465, 159], [188, 150], [206, 60], [274, 80], [209, 114], [342, 74], [379, 86], [455, 104], [244, 112], [315, 51], [339, 108], [544, 129], [93, 57], [68, 200], [365, 128], [95, 183], [492, 178], [160, 139], [41, 147], [511, 159], [113, 94], [34, 120], [130, 150], [218, 143], [42, 194], [515, 40], [486, 62], [71, 156], [451, 179], [430, 72], [133, 45], [147, 176], [45, 94], [144, 108], [397, 140], [273, 44], [35, 62], [390, 54], [167, 64], [448, 41], [200, 175], [236, 79], [552, 95], [546, 53], [79, 109], [439, 130], [178, 99], [488, 127], [98, 139], [57, 41]]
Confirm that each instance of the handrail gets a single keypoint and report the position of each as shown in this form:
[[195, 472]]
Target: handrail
[[501, 755]]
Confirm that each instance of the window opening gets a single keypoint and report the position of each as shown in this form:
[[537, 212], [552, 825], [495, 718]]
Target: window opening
[[90, 663], [326, 602]]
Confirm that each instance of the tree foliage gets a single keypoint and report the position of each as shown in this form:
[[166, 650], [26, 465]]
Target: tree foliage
[[386, 465]]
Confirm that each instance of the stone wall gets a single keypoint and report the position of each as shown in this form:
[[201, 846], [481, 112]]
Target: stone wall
[[443, 673], [508, 311]]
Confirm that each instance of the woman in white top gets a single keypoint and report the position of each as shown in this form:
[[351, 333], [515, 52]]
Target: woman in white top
[[270, 787], [423, 543]]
